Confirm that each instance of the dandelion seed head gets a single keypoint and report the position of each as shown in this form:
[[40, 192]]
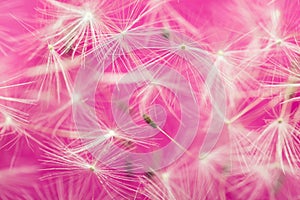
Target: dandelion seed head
[[50, 47], [110, 134], [183, 47], [227, 121], [166, 33], [123, 33], [75, 98], [8, 121], [91, 168], [120, 36], [278, 41], [165, 176], [203, 156], [88, 16], [220, 53]]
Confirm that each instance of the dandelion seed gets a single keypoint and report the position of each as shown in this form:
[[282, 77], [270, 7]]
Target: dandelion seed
[[107, 168], [75, 27], [166, 33], [50, 47], [8, 121], [92, 168], [221, 53], [149, 174], [278, 41], [149, 121], [183, 47]]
